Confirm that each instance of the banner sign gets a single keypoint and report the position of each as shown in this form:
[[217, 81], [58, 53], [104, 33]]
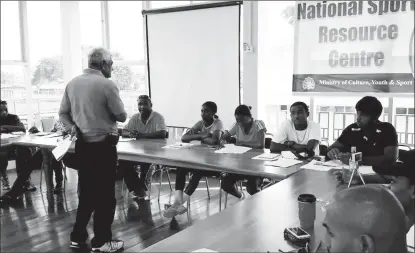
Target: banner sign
[[354, 46]]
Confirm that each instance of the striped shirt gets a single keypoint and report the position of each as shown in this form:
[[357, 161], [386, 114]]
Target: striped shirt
[[253, 136]]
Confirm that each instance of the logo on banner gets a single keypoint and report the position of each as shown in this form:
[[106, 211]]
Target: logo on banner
[[309, 84]]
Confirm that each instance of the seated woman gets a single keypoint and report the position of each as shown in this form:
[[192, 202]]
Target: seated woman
[[208, 131], [249, 133]]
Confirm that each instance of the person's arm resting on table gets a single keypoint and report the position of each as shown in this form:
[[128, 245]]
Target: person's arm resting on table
[[17, 127], [280, 142], [193, 134], [226, 136], [214, 139]]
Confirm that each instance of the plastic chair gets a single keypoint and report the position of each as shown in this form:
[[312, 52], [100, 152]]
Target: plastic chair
[[47, 123]]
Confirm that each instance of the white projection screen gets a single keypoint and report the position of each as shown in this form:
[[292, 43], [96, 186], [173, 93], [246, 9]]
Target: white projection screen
[[194, 56]]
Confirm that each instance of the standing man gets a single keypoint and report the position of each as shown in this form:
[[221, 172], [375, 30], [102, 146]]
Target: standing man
[[90, 108], [147, 124]]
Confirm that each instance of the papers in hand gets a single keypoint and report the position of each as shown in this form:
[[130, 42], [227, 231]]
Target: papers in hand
[[232, 149], [410, 238], [266, 157], [179, 145], [62, 148], [283, 162]]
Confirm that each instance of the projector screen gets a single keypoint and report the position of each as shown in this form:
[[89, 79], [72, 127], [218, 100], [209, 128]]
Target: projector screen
[[193, 57]]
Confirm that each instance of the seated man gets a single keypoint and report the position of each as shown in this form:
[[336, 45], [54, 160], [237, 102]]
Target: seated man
[[377, 140], [402, 184], [147, 124], [298, 134], [11, 123], [365, 218]]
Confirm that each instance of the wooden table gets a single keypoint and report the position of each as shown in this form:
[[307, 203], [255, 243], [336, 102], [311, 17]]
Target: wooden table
[[200, 157], [256, 224]]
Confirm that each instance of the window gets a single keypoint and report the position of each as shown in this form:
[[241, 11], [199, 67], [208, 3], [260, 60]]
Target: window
[[13, 89], [404, 124], [10, 31], [131, 82], [126, 29], [47, 78], [13, 83], [323, 119], [127, 45], [91, 27], [166, 4]]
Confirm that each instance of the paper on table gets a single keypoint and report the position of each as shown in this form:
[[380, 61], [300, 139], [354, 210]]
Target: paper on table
[[18, 133], [232, 149], [125, 139], [205, 250], [364, 169], [266, 157], [62, 148], [57, 134], [288, 155], [42, 134], [321, 166], [6, 136], [334, 164], [283, 162], [179, 145]]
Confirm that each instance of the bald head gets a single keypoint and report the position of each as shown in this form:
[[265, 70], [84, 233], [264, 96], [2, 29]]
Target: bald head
[[365, 217]]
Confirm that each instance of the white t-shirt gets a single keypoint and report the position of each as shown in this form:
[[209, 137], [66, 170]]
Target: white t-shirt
[[287, 132], [200, 127]]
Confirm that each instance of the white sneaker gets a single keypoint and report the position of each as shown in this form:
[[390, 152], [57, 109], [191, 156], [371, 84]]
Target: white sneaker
[[111, 246], [173, 211]]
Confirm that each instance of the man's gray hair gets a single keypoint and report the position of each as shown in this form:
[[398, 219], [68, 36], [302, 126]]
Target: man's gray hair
[[97, 57]]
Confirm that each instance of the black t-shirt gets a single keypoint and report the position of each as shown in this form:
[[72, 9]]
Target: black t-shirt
[[10, 120], [381, 136]]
